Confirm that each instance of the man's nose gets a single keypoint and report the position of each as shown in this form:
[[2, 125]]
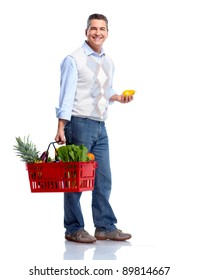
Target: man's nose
[[98, 31]]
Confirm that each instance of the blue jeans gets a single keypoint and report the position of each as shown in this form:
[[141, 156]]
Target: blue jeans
[[94, 136]]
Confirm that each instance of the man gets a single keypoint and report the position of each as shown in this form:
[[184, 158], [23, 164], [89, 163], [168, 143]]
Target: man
[[86, 91]]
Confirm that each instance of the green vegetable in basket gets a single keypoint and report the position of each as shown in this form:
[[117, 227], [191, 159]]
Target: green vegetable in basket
[[73, 153]]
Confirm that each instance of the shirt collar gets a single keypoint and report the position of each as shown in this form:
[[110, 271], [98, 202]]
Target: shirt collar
[[89, 51]]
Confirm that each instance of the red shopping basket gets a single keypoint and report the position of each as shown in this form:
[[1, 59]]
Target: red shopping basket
[[61, 176]]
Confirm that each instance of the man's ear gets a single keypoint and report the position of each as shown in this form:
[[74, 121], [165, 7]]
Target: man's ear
[[86, 32]]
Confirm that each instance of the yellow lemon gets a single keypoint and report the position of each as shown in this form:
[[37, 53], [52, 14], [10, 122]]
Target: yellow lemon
[[128, 92]]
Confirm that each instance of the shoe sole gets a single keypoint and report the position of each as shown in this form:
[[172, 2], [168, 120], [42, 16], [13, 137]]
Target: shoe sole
[[113, 239], [78, 241]]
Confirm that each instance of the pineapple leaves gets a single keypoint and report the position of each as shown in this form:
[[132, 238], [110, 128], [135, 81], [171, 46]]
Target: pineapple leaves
[[26, 150]]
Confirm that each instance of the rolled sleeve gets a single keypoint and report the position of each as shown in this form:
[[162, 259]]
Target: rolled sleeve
[[68, 85]]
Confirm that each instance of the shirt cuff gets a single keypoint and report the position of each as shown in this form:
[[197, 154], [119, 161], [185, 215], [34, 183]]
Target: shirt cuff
[[111, 93], [63, 114]]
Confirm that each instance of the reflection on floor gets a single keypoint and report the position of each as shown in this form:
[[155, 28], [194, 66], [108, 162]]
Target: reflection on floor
[[101, 250]]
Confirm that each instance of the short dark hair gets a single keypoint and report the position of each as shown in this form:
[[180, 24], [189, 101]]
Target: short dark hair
[[96, 16]]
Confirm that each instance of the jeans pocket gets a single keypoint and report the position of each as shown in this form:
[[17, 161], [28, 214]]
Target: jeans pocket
[[68, 132]]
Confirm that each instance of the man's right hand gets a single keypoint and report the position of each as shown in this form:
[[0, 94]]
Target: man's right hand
[[60, 137]]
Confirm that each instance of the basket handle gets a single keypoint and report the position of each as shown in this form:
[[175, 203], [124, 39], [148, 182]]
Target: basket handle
[[56, 153]]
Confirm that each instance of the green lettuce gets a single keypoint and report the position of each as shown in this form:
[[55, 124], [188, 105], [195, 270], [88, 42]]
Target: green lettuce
[[72, 152]]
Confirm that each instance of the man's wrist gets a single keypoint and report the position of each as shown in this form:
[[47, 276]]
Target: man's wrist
[[114, 97], [62, 123]]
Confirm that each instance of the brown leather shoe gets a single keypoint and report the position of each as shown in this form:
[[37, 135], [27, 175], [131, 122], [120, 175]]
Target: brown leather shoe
[[116, 235], [80, 236]]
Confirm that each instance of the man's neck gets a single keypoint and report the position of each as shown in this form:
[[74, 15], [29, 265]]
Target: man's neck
[[95, 49]]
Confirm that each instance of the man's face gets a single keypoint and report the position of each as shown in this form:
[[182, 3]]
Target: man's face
[[96, 34]]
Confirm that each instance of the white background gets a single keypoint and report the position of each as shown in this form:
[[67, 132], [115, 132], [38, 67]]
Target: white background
[[153, 141]]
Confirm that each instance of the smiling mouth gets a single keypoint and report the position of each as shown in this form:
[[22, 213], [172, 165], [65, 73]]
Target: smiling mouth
[[97, 38]]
